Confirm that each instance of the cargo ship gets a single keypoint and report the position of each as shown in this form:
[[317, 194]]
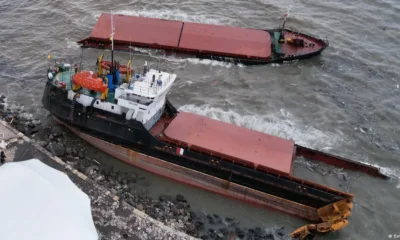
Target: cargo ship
[[129, 116], [205, 41]]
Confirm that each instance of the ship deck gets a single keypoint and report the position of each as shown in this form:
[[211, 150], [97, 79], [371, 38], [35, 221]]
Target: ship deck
[[241, 145], [195, 38]]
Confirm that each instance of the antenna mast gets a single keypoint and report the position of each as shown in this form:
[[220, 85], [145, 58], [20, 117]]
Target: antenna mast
[[112, 43]]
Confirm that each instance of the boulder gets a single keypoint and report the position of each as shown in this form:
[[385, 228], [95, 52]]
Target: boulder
[[56, 149], [180, 198]]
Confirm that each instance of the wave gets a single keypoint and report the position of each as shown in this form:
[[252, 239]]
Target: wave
[[282, 124], [285, 125]]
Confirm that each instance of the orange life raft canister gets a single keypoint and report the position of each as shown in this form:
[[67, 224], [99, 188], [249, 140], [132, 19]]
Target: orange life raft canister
[[88, 80]]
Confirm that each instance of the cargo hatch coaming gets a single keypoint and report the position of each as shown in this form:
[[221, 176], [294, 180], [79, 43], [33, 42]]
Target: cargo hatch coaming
[[245, 146]]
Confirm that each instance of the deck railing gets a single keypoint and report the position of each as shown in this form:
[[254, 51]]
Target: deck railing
[[151, 89]]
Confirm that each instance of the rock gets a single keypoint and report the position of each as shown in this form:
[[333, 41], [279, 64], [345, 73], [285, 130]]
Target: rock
[[42, 143], [31, 125], [125, 235], [224, 231], [210, 219], [164, 198], [228, 219], [81, 154], [55, 149], [56, 131], [191, 229], [140, 207], [205, 236], [239, 233], [68, 151], [51, 137], [269, 236], [74, 152], [218, 219], [193, 215], [34, 131], [180, 198], [199, 224], [220, 235], [92, 170], [280, 231], [20, 128]]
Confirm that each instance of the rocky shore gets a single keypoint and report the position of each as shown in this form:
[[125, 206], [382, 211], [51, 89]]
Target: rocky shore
[[174, 211]]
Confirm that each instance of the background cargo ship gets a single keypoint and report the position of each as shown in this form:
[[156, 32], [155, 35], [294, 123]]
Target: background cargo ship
[[205, 41]]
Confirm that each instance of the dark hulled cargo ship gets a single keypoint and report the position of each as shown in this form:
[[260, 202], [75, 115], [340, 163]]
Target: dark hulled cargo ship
[[131, 119], [205, 41]]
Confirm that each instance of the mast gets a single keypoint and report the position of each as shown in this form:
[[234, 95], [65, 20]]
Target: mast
[[281, 37], [112, 44]]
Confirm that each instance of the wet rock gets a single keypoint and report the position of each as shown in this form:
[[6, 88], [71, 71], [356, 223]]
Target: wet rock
[[218, 219], [280, 231], [92, 170], [205, 236], [20, 129], [42, 143], [56, 131], [180, 198], [191, 229], [224, 231], [71, 163], [56, 149], [81, 155], [164, 198], [34, 131], [199, 224], [192, 215], [210, 219], [269, 236], [68, 151], [239, 233]]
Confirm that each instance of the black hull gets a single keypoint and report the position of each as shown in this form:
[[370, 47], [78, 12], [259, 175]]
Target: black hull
[[132, 134]]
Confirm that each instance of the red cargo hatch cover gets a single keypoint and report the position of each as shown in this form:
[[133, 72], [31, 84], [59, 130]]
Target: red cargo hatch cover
[[233, 41], [247, 146], [139, 30]]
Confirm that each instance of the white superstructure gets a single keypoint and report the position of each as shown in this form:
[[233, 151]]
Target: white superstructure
[[142, 99]]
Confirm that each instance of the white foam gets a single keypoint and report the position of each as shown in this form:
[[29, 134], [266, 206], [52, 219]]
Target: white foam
[[282, 124], [285, 125], [175, 15]]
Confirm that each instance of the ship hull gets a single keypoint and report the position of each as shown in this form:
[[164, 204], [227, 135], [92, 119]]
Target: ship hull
[[198, 179], [205, 41], [130, 142]]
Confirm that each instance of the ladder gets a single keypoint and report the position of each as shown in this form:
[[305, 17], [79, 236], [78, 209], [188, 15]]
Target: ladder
[[71, 114]]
